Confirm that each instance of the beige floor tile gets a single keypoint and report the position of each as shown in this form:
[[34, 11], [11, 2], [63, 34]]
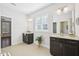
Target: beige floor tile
[[26, 50]]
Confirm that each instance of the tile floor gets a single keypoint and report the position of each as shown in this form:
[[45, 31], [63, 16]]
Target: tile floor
[[26, 50]]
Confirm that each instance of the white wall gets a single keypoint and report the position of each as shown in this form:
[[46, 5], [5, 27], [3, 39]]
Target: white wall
[[0, 30], [18, 23], [29, 25], [76, 15], [51, 11]]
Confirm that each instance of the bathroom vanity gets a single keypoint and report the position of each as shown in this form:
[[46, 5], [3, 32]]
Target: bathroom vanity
[[64, 46], [28, 38]]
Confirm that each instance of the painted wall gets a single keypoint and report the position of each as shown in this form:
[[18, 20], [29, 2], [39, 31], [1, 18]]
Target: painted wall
[[50, 11], [18, 23], [0, 30], [76, 16], [29, 25]]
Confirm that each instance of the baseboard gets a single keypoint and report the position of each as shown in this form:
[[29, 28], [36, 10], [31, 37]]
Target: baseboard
[[45, 46], [16, 43]]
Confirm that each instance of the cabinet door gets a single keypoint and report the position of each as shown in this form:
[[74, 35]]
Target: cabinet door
[[52, 47], [5, 42], [30, 38], [70, 50], [56, 48]]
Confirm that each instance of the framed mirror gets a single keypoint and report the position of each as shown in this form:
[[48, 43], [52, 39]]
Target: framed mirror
[[64, 27]]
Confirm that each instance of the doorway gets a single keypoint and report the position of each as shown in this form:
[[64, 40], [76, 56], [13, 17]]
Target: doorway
[[5, 32]]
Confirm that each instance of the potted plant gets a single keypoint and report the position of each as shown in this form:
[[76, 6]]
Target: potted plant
[[39, 39]]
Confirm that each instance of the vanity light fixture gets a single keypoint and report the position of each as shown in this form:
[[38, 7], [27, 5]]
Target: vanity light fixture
[[65, 9], [62, 10], [59, 11]]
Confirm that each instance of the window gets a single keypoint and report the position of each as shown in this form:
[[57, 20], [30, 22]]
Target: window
[[44, 26], [41, 23]]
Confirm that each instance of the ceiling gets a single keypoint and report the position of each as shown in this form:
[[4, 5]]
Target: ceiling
[[26, 8]]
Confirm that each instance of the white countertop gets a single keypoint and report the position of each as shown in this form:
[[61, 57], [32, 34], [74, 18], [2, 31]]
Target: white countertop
[[65, 36]]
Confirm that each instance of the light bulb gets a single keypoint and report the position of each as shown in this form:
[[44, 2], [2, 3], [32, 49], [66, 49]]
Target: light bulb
[[59, 11], [66, 9], [30, 19]]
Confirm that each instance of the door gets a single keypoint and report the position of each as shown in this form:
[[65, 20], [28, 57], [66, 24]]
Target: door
[[71, 49], [5, 32]]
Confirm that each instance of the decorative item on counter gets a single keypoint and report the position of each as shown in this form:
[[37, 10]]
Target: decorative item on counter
[[72, 35]]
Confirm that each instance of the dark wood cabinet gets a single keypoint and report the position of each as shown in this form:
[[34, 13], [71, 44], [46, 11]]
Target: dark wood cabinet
[[64, 47], [5, 32], [28, 38], [56, 47], [70, 50], [5, 42]]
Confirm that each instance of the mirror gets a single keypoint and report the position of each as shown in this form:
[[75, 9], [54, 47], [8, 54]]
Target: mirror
[[64, 27], [54, 27], [63, 23]]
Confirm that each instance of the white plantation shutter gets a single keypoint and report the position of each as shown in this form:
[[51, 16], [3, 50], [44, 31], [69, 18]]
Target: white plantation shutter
[[41, 23]]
